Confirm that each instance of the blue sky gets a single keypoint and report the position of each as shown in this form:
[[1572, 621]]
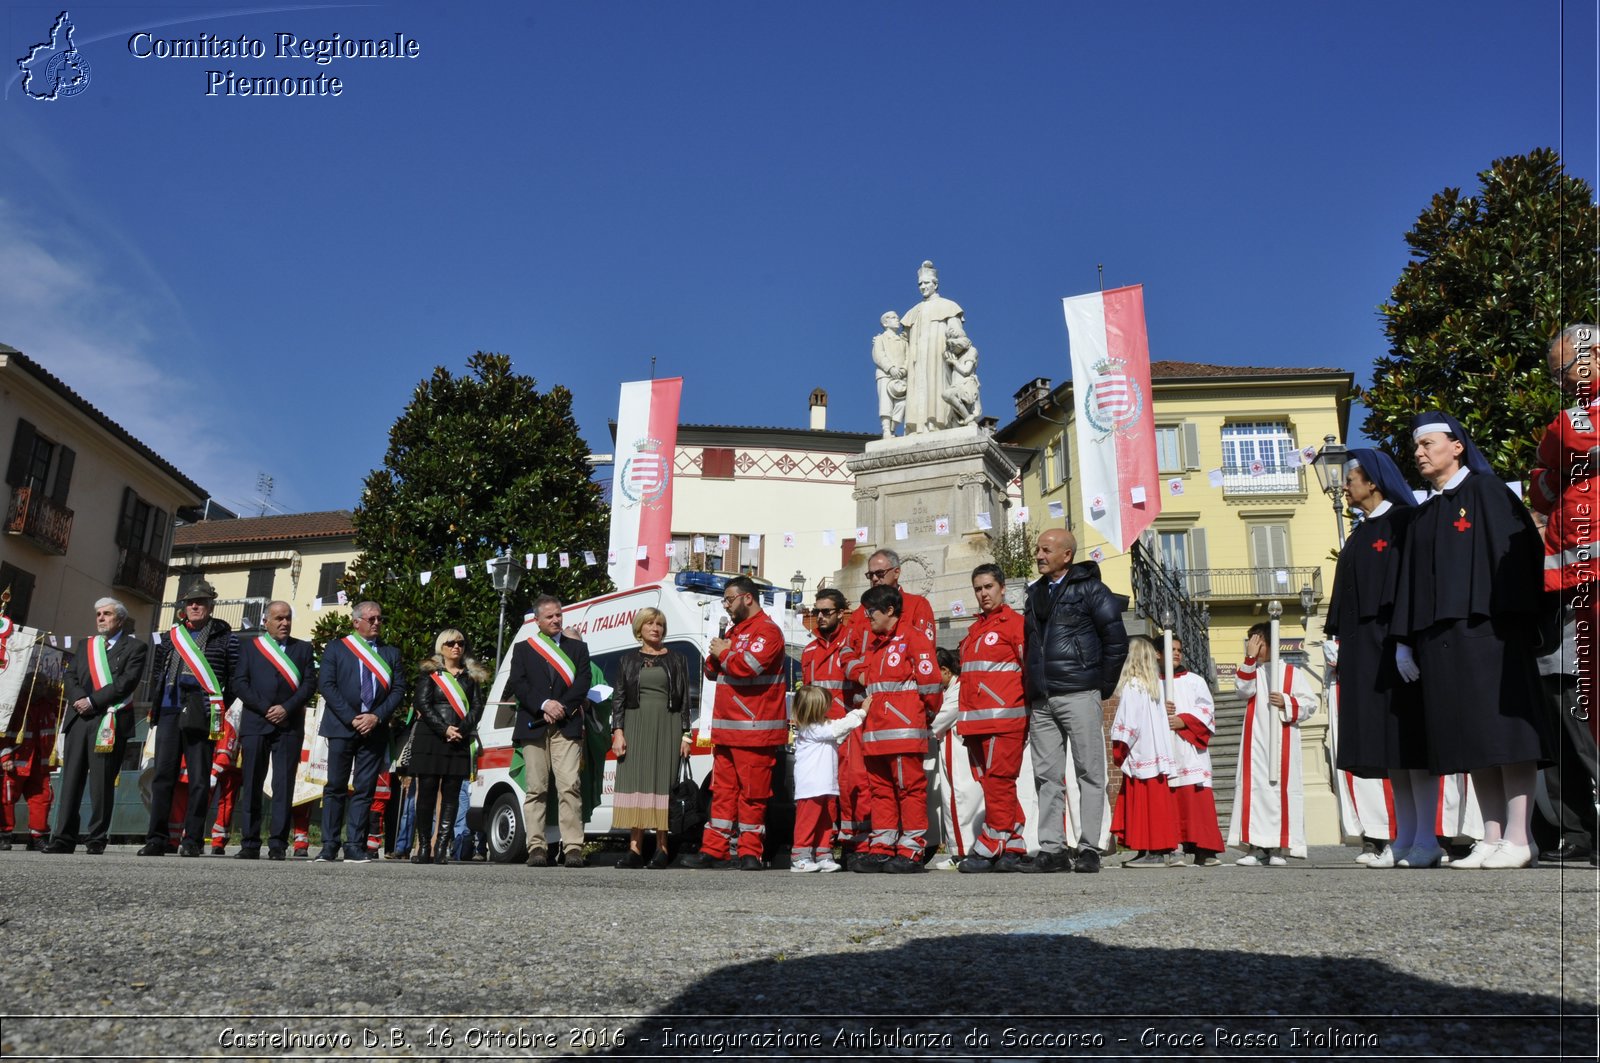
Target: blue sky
[[738, 190]]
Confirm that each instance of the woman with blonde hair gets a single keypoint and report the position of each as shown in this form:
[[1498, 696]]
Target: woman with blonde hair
[[649, 733], [1146, 816], [449, 700]]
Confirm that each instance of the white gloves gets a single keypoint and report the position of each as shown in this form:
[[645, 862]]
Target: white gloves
[[1406, 662], [1330, 652]]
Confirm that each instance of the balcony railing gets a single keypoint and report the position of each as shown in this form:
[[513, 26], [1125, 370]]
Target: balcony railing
[[1259, 478], [140, 573], [1250, 584], [36, 517]]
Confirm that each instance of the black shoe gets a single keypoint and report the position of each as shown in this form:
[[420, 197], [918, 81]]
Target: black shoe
[[57, 847], [247, 854], [189, 849], [1008, 862], [703, 862], [975, 865], [631, 860], [1087, 862], [5, 845], [1045, 862], [1565, 853], [274, 854], [219, 850], [867, 863], [153, 849], [359, 856], [574, 858], [902, 865], [37, 843], [751, 863], [538, 858], [95, 848], [660, 860]]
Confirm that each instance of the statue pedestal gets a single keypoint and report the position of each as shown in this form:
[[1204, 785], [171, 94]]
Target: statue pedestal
[[920, 480]]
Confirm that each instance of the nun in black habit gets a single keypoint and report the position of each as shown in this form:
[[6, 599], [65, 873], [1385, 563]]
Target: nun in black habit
[[1468, 601], [1381, 732]]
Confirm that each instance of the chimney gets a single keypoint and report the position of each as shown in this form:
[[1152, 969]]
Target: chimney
[[1032, 394], [819, 410]]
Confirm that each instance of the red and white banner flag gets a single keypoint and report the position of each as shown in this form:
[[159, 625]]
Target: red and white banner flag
[[641, 480], [1116, 430]]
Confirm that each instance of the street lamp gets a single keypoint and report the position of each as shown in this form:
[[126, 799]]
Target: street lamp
[[504, 577], [1330, 471], [1308, 604]]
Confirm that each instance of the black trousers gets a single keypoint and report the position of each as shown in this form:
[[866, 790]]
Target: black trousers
[[278, 752], [1570, 779], [446, 790], [192, 748], [80, 764], [353, 767]]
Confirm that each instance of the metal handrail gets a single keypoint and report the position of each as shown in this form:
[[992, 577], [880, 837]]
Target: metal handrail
[[1156, 588]]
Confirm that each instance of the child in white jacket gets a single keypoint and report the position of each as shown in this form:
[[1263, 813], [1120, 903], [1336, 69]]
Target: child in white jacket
[[816, 777]]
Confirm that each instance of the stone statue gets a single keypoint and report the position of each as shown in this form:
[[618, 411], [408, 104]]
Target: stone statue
[[889, 352], [927, 374], [962, 359]]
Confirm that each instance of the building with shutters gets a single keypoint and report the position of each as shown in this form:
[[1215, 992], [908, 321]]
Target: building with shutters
[[1242, 517], [297, 557], [89, 508]]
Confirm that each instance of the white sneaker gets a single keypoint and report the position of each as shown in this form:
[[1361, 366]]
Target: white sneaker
[[1247, 860], [827, 864], [803, 865], [1473, 861], [943, 862], [1367, 858], [1274, 860], [1387, 858], [1508, 857]]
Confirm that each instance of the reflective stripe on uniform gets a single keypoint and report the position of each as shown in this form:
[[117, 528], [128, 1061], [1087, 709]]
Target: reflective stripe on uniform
[[750, 659], [1015, 712], [749, 680], [895, 735], [990, 666], [895, 688], [828, 684], [750, 725]]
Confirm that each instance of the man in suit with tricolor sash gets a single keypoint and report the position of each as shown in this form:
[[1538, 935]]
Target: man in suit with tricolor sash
[[96, 726], [275, 678], [362, 685], [550, 680]]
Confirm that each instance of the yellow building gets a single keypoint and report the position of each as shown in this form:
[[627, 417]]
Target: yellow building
[[298, 557], [1243, 518]]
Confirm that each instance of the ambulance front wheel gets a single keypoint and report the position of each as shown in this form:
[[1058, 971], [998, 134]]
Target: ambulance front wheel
[[508, 842]]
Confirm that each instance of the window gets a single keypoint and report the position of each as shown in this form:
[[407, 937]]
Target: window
[[142, 527], [258, 589], [1255, 458], [1184, 551], [716, 463], [1178, 447], [1059, 465], [40, 465], [328, 581], [1269, 554], [21, 586]]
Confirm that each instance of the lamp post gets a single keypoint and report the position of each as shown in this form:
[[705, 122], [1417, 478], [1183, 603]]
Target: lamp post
[[1330, 471], [1308, 604], [504, 577]]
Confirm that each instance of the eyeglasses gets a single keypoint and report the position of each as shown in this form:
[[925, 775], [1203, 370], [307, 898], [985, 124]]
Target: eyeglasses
[[727, 600], [826, 612], [453, 642], [879, 573], [369, 619]]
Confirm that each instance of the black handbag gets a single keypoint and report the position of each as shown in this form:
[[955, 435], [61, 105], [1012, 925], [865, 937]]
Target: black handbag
[[686, 816]]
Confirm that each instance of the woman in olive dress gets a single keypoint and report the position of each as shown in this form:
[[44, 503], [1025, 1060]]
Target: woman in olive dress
[[649, 733]]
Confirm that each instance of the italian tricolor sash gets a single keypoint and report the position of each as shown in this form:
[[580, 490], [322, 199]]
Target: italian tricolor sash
[[551, 651], [105, 736], [199, 667], [453, 693], [369, 657], [273, 652]]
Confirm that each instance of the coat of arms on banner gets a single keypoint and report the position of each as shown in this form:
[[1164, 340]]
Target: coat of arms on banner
[[1113, 401], [645, 474]]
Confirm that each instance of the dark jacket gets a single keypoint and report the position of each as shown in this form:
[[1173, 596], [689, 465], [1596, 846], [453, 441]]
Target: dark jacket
[[1077, 642], [127, 659], [339, 681], [628, 670], [434, 710], [533, 682], [259, 685]]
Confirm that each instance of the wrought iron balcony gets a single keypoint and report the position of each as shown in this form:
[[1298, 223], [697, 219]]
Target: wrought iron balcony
[[140, 573], [1158, 589], [1250, 584], [36, 517], [1258, 478]]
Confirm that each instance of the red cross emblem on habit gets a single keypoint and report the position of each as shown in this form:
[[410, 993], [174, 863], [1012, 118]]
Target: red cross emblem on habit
[[1461, 523], [1381, 545]]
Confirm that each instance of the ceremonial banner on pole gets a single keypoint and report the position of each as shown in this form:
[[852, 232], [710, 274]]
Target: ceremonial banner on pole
[[1116, 432], [641, 480]]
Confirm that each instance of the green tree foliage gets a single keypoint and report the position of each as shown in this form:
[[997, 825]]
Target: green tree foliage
[[1493, 278], [477, 465], [1012, 545], [328, 628]]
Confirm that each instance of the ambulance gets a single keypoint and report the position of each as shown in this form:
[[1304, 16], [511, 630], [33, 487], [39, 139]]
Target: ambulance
[[692, 605]]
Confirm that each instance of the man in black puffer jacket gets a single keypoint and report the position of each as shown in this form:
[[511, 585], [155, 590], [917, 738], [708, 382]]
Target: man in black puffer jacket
[[1075, 646]]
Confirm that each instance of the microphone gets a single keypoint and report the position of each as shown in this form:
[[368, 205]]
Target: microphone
[[722, 628]]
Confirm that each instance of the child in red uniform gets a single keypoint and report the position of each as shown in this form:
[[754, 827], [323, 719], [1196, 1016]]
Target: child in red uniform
[[1146, 816]]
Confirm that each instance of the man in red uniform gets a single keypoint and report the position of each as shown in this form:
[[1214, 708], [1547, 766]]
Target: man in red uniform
[[822, 665], [883, 570], [994, 721], [903, 694], [1566, 487], [749, 727], [25, 751]]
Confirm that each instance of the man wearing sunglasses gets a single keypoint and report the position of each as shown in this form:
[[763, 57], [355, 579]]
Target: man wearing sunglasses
[[749, 728], [883, 570], [822, 664]]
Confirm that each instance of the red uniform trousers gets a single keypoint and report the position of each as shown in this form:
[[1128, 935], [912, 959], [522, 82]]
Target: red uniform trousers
[[34, 788], [301, 820], [380, 804], [813, 828], [225, 785], [899, 805], [741, 783], [855, 791], [996, 761]]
